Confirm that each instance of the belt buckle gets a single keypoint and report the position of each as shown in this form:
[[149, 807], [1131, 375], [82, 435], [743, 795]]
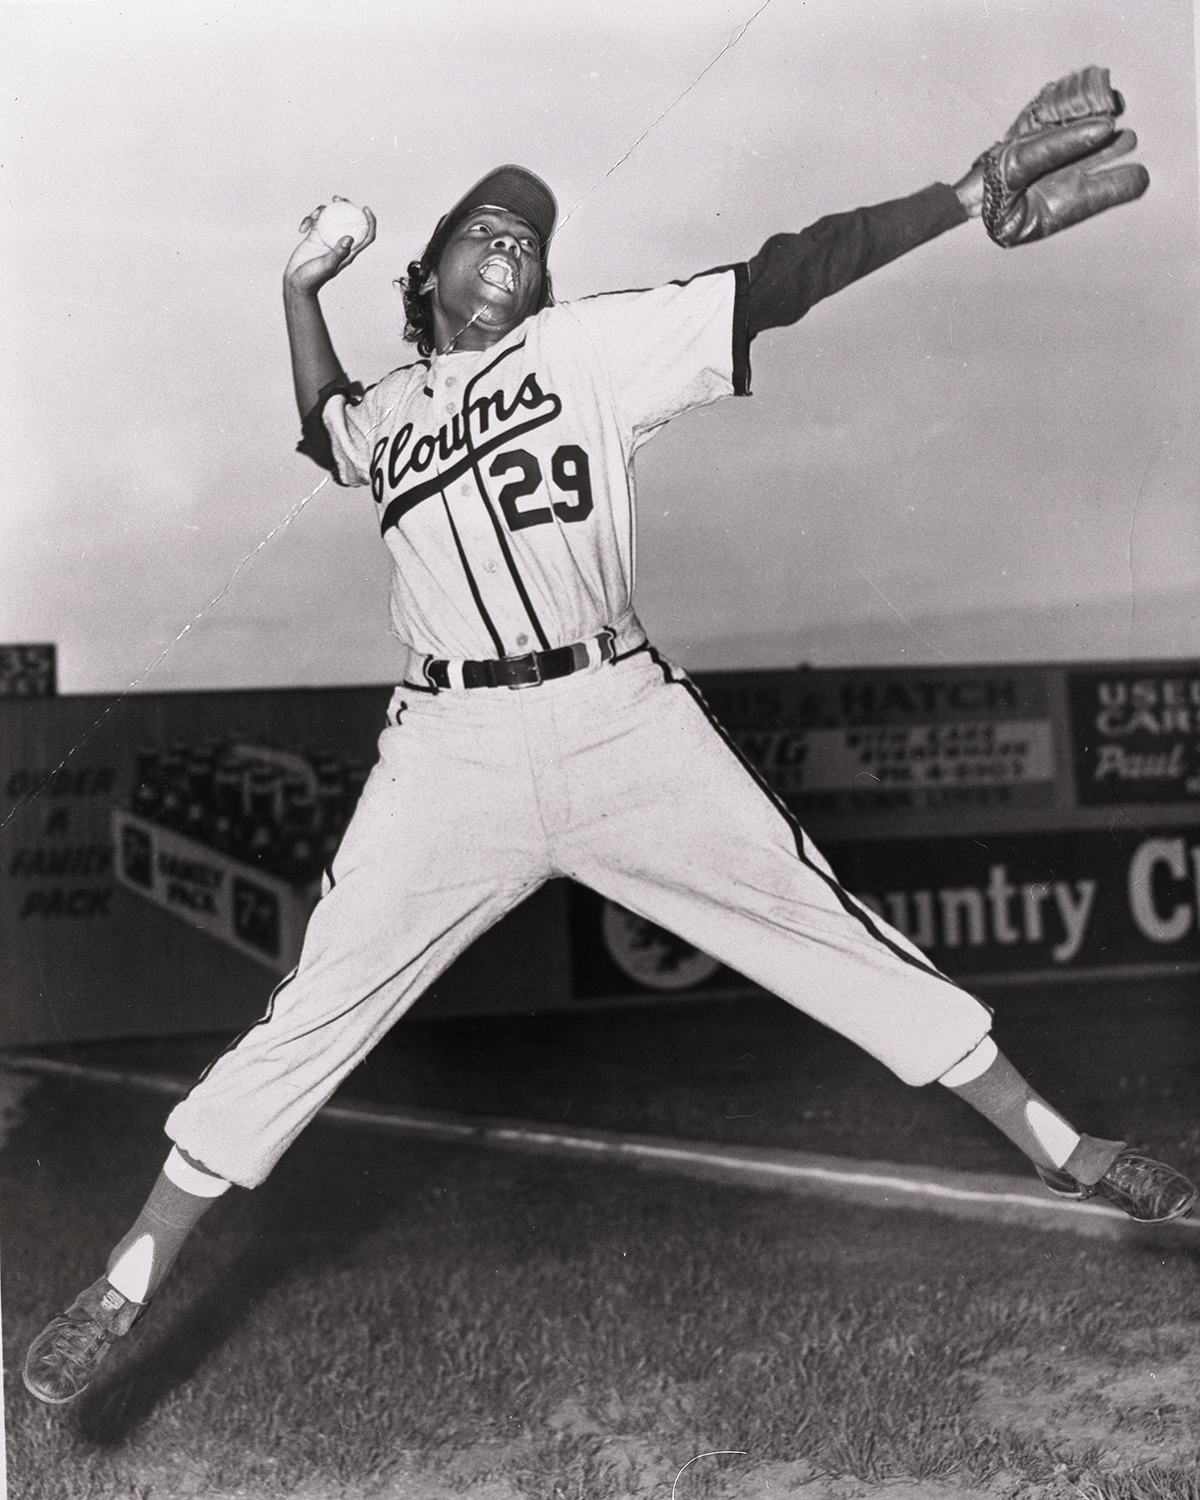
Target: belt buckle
[[521, 664]]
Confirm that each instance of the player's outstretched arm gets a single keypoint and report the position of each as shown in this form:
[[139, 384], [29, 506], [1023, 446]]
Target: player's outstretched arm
[[1062, 160], [315, 364], [793, 272]]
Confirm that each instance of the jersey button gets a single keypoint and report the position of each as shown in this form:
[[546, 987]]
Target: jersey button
[[522, 640], [451, 381]]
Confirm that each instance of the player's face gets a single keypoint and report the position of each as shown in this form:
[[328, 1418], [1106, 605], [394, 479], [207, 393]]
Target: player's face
[[488, 280]]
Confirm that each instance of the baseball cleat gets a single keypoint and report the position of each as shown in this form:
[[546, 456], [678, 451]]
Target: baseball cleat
[[63, 1358], [1062, 1184], [1147, 1190]]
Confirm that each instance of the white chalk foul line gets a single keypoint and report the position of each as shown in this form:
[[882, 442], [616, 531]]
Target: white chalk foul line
[[744, 1165], [747, 1164]]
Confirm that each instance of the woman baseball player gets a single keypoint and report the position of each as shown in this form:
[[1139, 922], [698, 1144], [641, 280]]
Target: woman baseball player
[[537, 732]]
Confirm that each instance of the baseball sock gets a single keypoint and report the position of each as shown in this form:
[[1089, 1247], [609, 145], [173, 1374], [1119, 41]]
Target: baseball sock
[[989, 1083], [179, 1198]]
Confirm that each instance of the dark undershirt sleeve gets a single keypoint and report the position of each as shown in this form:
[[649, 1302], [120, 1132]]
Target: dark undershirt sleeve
[[792, 272], [314, 442]]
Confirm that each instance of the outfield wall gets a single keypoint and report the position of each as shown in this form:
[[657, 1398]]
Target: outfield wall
[[1020, 823]]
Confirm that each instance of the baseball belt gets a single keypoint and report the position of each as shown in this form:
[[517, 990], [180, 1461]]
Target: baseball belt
[[530, 670]]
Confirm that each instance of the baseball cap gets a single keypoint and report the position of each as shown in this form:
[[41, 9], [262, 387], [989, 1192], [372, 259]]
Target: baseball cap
[[514, 188]]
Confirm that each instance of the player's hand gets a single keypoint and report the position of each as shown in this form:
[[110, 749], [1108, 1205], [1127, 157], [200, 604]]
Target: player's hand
[[313, 263], [970, 191]]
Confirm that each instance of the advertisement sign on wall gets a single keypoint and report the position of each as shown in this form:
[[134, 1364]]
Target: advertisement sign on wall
[[1136, 736], [244, 907], [845, 744], [1019, 907], [1036, 906]]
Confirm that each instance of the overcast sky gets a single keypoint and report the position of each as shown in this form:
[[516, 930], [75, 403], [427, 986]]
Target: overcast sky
[[973, 455]]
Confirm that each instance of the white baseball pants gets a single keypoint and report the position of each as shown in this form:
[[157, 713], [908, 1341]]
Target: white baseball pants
[[618, 778]]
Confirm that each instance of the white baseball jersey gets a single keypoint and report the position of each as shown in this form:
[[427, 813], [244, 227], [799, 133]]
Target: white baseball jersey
[[503, 480]]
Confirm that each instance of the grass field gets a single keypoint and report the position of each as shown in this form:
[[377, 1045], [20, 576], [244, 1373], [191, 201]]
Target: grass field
[[428, 1321]]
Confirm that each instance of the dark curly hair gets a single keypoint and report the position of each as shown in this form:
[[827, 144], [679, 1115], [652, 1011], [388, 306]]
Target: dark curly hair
[[418, 311]]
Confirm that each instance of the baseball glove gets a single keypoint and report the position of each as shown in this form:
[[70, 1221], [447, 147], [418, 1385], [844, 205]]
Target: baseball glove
[[1079, 96], [1036, 184]]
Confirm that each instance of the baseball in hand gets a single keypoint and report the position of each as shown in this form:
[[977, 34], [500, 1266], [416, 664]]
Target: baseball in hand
[[339, 219]]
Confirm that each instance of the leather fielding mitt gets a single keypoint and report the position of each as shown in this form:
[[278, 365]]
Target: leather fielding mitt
[[1079, 96], [1060, 161], [1037, 184]]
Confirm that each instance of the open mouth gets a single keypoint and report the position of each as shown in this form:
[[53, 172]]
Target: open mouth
[[498, 272]]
